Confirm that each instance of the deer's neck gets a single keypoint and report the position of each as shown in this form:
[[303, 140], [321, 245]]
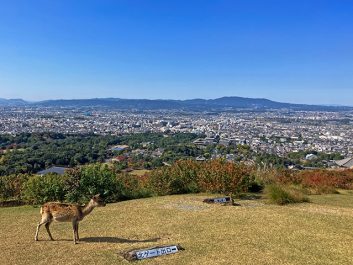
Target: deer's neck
[[87, 209]]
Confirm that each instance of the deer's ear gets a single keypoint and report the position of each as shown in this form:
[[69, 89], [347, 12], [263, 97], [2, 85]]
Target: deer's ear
[[95, 197]]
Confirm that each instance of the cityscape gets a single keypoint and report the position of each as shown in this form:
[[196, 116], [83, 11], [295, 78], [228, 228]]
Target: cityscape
[[276, 132]]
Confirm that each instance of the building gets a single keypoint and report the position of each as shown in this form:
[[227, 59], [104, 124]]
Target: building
[[120, 147], [311, 157], [345, 163], [56, 170]]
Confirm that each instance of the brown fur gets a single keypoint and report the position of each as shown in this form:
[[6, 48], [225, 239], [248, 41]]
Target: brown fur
[[64, 212]]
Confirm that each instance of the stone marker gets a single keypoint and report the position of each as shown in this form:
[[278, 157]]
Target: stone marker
[[152, 252], [221, 200]]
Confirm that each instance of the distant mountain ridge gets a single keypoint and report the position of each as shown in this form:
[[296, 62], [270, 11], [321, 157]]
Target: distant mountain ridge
[[218, 104], [12, 102]]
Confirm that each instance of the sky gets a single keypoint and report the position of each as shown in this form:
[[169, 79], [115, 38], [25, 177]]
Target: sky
[[298, 51]]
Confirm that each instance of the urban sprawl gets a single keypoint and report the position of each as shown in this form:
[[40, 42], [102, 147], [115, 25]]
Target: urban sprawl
[[276, 132]]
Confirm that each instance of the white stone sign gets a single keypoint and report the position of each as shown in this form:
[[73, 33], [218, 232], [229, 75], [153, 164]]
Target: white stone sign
[[220, 200], [224, 200], [155, 252]]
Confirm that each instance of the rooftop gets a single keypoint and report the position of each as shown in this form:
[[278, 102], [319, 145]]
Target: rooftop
[[57, 170]]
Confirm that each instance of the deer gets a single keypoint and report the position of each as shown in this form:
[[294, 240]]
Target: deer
[[64, 212]]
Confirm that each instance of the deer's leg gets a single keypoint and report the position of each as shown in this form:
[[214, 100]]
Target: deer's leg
[[47, 227], [77, 237], [37, 231], [74, 223], [44, 220]]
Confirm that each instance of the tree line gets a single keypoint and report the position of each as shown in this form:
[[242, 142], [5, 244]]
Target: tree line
[[30, 153]]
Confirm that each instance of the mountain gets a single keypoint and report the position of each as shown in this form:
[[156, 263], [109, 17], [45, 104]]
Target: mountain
[[12, 102], [218, 104], [116, 103]]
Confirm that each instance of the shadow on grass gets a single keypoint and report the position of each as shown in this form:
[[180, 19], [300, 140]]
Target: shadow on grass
[[116, 240]]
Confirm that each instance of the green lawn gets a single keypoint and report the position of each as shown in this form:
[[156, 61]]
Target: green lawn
[[320, 232]]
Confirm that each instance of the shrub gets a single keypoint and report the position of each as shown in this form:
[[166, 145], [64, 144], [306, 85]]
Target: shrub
[[219, 176], [181, 177], [315, 181], [11, 186], [40, 189], [159, 181], [184, 177], [327, 181], [188, 176], [84, 182], [265, 176], [255, 186], [282, 195], [133, 187], [287, 177], [281, 176]]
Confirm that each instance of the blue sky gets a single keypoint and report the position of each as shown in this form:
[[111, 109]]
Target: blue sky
[[286, 50]]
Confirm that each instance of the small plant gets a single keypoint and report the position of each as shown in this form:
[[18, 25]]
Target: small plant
[[282, 195]]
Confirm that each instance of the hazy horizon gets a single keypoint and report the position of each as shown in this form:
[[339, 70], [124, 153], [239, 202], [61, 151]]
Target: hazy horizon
[[182, 99], [285, 51]]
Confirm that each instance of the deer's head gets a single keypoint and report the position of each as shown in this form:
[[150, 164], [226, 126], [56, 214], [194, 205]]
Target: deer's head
[[98, 201]]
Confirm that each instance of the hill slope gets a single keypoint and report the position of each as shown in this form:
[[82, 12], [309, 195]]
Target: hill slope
[[254, 233], [12, 102]]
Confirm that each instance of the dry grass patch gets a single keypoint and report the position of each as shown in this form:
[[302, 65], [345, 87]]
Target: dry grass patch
[[211, 234]]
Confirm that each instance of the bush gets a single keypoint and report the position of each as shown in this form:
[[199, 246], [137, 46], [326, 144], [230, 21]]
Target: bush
[[133, 187], [11, 187], [84, 182], [41, 189], [287, 177], [181, 177], [255, 186], [159, 181], [188, 176], [184, 177], [319, 181], [219, 176], [280, 176], [282, 195], [327, 181]]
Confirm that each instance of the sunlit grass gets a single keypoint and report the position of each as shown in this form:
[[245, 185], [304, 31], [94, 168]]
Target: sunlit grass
[[254, 233]]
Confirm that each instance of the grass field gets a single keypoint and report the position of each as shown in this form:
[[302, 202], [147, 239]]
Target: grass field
[[320, 232]]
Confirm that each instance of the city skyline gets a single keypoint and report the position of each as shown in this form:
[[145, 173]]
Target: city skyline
[[292, 51]]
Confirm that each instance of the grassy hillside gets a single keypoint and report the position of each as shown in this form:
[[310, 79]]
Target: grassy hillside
[[320, 232]]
